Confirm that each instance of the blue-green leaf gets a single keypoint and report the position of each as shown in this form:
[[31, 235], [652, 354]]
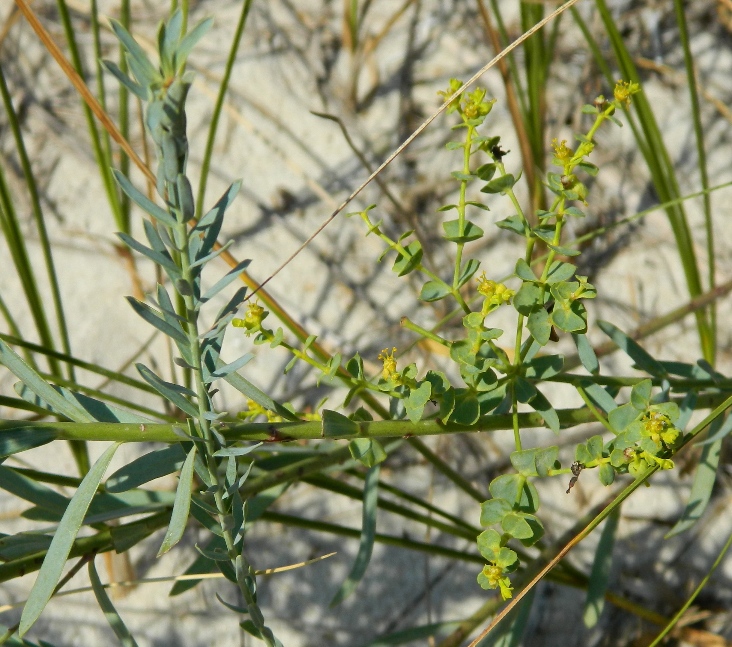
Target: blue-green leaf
[[642, 359], [368, 531], [601, 566], [142, 201], [188, 42], [171, 392], [160, 258], [336, 425], [21, 370], [225, 280], [586, 353], [434, 291], [146, 468], [542, 406], [110, 613], [63, 540], [125, 80], [182, 505], [701, 490]]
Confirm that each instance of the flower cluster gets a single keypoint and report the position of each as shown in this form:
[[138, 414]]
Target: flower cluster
[[389, 372], [496, 294], [496, 579], [252, 322]]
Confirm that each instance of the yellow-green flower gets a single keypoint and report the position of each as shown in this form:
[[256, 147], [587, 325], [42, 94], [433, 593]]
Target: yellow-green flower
[[659, 428], [624, 90], [252, 319], [497, 580], [389, 372], [254, 410], [496, 294], [455, 85], [562, 153]]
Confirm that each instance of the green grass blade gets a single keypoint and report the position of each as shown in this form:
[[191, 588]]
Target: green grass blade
[[110, 613], [39, 220], [223, 87], [662, 173], [63, 541], [182, 505], [368, 531], [600, 575], [702, 163]]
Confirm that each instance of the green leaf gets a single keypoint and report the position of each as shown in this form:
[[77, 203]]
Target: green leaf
[[489, 544], [37, 493], [539, 325], [569, 317], [110, 613], [524, 272], [189, 41], [470, 231], [161, 258], [518, 489], [544, 367], [169, 328], [516, 526], [21, 370], [467, 271], [142, 201], [228, 278], [434, 291], [701, 489], [642, 359], [407, 262], [244, 386], [368, 532], [181, 506], [135, 51], [132, 86], [586, 353], [367, 451], [529, 297], [514, 224], [599, 396], [63, 540], [146, 468], [640, 395], [601, 569], [415, 403], [493, 510], [621, 417], [467, 410], [336, 425], [546, 411], [560, 271], [171, 392], [14, 440], [100, 411], [500, 184]]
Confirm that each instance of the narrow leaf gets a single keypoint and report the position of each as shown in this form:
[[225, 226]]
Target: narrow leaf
[[142, 201], [368, 530], [642, 359], [182, 505], [39, 386], [170, 392], [110, 613], [146, 468], [62, 542], [701, 490], [225, 280], [601, 567]]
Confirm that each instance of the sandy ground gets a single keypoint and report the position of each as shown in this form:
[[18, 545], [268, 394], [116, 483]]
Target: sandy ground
[[296, 167]]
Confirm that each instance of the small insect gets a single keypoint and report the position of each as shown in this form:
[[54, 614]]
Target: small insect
[[576, 468]]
